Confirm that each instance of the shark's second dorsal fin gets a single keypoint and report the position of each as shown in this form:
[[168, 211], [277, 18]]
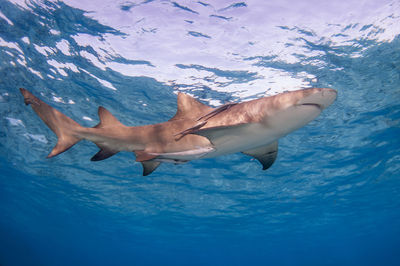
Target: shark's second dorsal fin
[[107, 119], [189, 107]]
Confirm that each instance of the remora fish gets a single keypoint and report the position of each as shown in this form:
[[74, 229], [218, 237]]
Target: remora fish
[[196, 131]]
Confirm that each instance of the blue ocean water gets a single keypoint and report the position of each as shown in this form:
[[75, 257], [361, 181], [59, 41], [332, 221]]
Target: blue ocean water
[[331, 198]]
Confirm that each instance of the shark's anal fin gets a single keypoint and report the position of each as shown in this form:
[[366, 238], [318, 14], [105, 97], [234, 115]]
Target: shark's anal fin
[[103, 154], [266, 155], [149, 167]]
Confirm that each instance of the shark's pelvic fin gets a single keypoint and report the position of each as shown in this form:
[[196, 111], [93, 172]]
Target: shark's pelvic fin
[[103, 154], [266, 155], [64, 127], [189, 107], [142, 156], [146, 159], [149, 167]]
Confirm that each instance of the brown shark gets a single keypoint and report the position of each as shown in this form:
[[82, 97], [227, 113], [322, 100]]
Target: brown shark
[[196, 131]]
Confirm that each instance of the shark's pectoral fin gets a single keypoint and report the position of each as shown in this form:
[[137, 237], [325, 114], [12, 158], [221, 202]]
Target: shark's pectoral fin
[[149, 167], [218, 135], [265, 154], [103, 154]]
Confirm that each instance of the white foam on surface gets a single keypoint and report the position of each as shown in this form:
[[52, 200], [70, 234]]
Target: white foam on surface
[[26, 40], [220, 43], [11, 45], [64, 47], [59, 66], [40, 138], [103, 82], [44, 50], [15, 122], [37, 73], [257, 30], [6, 19]]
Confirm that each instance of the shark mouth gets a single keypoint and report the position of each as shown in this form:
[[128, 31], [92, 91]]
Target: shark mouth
[[319, 106]]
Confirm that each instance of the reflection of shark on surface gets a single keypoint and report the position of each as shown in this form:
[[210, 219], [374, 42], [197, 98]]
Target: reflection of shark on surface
[[196, 131]]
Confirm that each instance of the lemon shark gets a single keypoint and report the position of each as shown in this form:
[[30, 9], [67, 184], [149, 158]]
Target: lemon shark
[[195, 131]]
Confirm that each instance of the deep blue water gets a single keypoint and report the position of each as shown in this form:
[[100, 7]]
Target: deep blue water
[[331, 198]]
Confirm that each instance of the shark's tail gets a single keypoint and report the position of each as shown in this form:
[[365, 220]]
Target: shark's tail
[[64, 127]]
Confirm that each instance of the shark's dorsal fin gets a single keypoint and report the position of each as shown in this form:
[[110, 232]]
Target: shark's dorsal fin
[[107, 119], [149, 167], [266, 155], [189, 107]]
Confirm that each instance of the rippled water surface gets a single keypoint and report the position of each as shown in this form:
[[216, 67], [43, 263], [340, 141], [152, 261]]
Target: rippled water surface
[[331, 198]]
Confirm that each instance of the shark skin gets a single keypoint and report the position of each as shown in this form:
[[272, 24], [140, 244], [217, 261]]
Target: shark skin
[[196, 131]]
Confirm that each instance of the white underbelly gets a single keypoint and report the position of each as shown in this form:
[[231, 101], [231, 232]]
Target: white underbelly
[[183, 156], [233, 140], [245, 138]]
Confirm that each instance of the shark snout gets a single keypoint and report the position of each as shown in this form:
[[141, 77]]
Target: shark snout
[[319, 97]]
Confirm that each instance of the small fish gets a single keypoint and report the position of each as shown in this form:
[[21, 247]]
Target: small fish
[[196, 131]]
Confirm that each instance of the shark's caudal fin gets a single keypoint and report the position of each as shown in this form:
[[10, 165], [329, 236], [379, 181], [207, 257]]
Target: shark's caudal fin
[[64, 127]]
